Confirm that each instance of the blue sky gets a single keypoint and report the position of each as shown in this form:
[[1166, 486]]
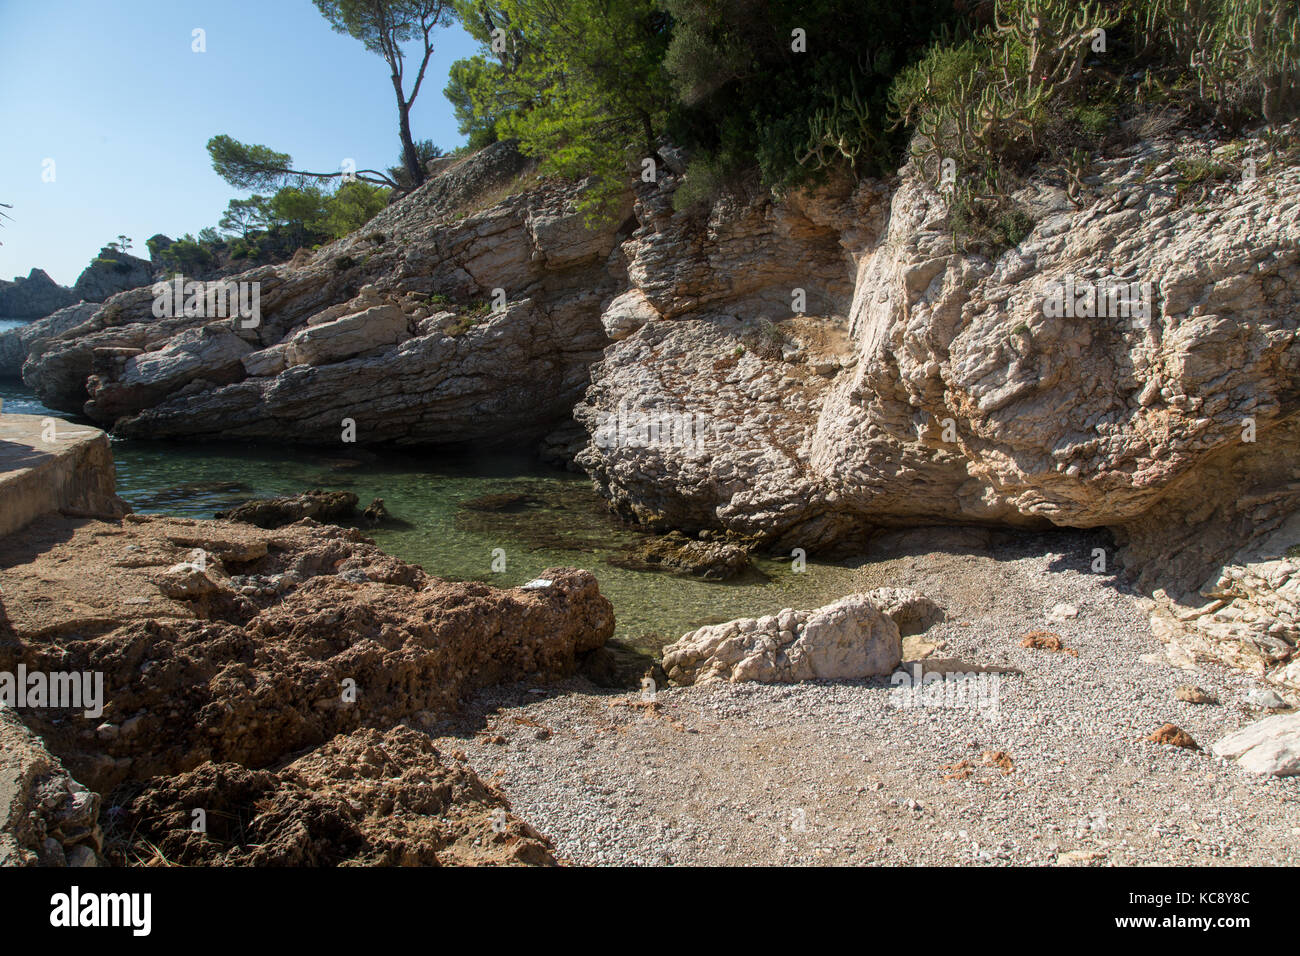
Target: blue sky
[[113, 93]]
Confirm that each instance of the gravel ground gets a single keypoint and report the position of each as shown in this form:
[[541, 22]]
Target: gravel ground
[[840, 773]]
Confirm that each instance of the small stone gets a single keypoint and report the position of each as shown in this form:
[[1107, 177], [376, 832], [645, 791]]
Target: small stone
[[1192, 694], [1063, 612], [1171, 735], [82, 856], [1266, 699]]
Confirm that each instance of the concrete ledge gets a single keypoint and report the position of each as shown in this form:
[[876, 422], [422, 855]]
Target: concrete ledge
[[72, 473]]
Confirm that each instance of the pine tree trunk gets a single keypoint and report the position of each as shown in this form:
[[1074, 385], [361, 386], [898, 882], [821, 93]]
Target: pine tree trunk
[[410, 158]]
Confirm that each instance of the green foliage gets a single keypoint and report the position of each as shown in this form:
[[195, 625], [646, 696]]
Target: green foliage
[[986, 223], [117, 265], [351, 207], [579, 83], [1037, 85], [247, 166], [302, 210], [383, 27], [995, 97], [246, 215], [1050, 79], [1197, 175], [186, 255], [425, 153], [1243, 56], [476, 100], [746, 99]]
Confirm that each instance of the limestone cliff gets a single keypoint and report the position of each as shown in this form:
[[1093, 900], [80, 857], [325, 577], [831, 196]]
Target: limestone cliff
[[917, 384]]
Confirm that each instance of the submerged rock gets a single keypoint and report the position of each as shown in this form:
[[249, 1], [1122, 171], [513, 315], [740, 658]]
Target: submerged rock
[[711, 560], [323, 506], [376, 513], [857, 636], [510, 502]]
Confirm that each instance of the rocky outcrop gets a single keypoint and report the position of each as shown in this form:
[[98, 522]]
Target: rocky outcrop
[[362, 799], [204, 652], [46, 817], [857, 636], [49, 465], [800, 373], [439, 323], [112, 272], [227, 643], [38, 296], [17, 344], [33, 297], [961, 396], [957, 399], [711, 560]]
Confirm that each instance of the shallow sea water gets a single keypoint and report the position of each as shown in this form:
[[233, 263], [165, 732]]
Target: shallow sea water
[[558, 520]]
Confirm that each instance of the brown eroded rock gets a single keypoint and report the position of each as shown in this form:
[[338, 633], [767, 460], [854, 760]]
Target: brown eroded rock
[[1171, 735], [1046, 641], [265, 655], [46, 817], [368, 798], [712, 560]]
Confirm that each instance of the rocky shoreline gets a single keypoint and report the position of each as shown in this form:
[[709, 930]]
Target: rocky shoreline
[[268, 678], [913, 384], [323, 703], [1107, 504]]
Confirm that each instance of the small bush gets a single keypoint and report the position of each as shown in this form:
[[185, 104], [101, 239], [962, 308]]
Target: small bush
[[1197, 176], [986, 224]]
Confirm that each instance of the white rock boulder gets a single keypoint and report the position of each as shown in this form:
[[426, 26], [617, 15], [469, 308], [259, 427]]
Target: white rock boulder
[[1268, 746], [855, 637]]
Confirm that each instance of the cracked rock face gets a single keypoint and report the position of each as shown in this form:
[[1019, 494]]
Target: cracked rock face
[[962, 395], [857, 636], [918, 386]]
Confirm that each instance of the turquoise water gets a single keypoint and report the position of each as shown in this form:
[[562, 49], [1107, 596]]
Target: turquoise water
[[559, 520]]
